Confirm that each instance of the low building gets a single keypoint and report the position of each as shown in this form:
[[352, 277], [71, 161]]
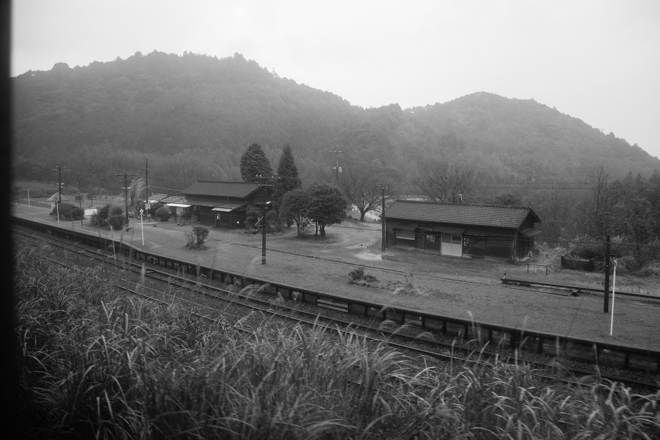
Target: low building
[[224, 203], [55, 198], [156, 198], [179, 207], [461, 230]]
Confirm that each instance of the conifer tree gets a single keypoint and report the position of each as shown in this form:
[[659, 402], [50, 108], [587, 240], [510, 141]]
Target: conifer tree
[[254, 163], [287, 174]]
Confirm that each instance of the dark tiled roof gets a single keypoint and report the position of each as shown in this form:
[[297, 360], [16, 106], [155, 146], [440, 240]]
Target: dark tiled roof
[[224, 189], [461, 214], [173, 199], [157, 197]]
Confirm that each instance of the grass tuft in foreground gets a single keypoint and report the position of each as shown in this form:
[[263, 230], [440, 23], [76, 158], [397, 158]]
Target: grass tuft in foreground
[[97, 364]]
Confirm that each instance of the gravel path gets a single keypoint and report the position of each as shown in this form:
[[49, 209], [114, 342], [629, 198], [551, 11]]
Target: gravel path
[[454, 287]]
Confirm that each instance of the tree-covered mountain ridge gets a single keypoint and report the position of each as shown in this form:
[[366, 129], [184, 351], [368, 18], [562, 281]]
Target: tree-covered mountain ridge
[[193, 116]]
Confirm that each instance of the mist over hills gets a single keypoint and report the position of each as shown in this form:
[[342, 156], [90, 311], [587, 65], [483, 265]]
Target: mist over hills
[[193, 116]]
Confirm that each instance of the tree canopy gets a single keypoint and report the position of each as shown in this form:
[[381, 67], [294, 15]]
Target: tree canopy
[[294, 208], [255, 166], [327, 206], [287, 176]]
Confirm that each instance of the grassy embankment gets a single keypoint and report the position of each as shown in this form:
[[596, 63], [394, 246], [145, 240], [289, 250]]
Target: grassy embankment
[[96, 364]]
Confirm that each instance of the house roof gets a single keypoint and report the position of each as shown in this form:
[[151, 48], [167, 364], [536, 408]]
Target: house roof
[[510, 217], [54, 198], [173, 199], [156, 197], [221, 189]]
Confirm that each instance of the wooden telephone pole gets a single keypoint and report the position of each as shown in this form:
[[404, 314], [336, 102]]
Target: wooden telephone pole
[[125, 188]]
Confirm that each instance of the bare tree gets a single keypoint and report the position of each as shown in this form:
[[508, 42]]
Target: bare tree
[[362, 185], [444, 182], [597, 215]]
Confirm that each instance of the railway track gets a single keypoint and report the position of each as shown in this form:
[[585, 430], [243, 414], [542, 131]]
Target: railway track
[[222, 301]]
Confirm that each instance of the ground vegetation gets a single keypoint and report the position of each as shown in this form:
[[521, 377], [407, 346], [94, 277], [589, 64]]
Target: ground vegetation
[[94, 363]]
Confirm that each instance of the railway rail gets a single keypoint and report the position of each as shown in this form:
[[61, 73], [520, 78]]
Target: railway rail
[[136, 271]]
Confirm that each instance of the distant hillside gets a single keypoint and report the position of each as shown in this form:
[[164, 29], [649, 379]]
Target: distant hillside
[[193, 116]]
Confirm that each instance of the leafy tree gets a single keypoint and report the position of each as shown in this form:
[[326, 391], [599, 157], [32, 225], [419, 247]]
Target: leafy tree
[[254, 163], [327, 206], [294, 207], [287, 174]]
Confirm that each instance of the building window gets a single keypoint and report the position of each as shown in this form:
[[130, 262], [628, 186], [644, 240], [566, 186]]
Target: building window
[[405, 234], [474, 242], [430, 238]]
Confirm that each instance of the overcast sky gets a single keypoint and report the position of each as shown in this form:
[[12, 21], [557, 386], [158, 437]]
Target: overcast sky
[[595, 60]]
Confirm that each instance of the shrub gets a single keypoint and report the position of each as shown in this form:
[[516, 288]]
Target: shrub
[[587, 248], [358, 274], [650, 270], [116, 222], [273, 222], [63, 208], [162, 214], [96, 220], [628, 264], [196, 237], [110, 210], [252, 217], [74, 214]]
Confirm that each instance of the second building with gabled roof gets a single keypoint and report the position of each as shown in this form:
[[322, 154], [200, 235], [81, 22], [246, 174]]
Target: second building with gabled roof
[[224, 203], [462, 230]]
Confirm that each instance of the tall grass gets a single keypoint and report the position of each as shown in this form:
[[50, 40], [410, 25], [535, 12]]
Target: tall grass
[[97, 364]]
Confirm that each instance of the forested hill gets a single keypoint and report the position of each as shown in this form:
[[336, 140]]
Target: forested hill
[[193, 116]]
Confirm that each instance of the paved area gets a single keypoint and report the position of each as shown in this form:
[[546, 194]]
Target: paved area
[[453, 287]]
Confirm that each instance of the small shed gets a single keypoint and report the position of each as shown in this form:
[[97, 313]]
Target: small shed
[[54, 200], [462, 230], [222, 203], [179, 206]]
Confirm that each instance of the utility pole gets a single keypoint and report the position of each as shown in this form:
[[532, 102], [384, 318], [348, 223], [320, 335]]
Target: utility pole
[[263, 219], [336, 167], [382, 220], [125, 188], [59, 185], [146, 179], [263, 232], [606, 291], [59, 191]]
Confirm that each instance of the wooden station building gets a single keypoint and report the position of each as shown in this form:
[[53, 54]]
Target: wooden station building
[[224, 203], [462, 230]]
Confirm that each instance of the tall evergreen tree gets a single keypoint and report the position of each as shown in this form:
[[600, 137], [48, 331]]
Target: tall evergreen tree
[[254, 163], [287, 174]]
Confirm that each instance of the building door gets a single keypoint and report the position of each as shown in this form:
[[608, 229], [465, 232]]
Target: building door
[[452, 244]]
